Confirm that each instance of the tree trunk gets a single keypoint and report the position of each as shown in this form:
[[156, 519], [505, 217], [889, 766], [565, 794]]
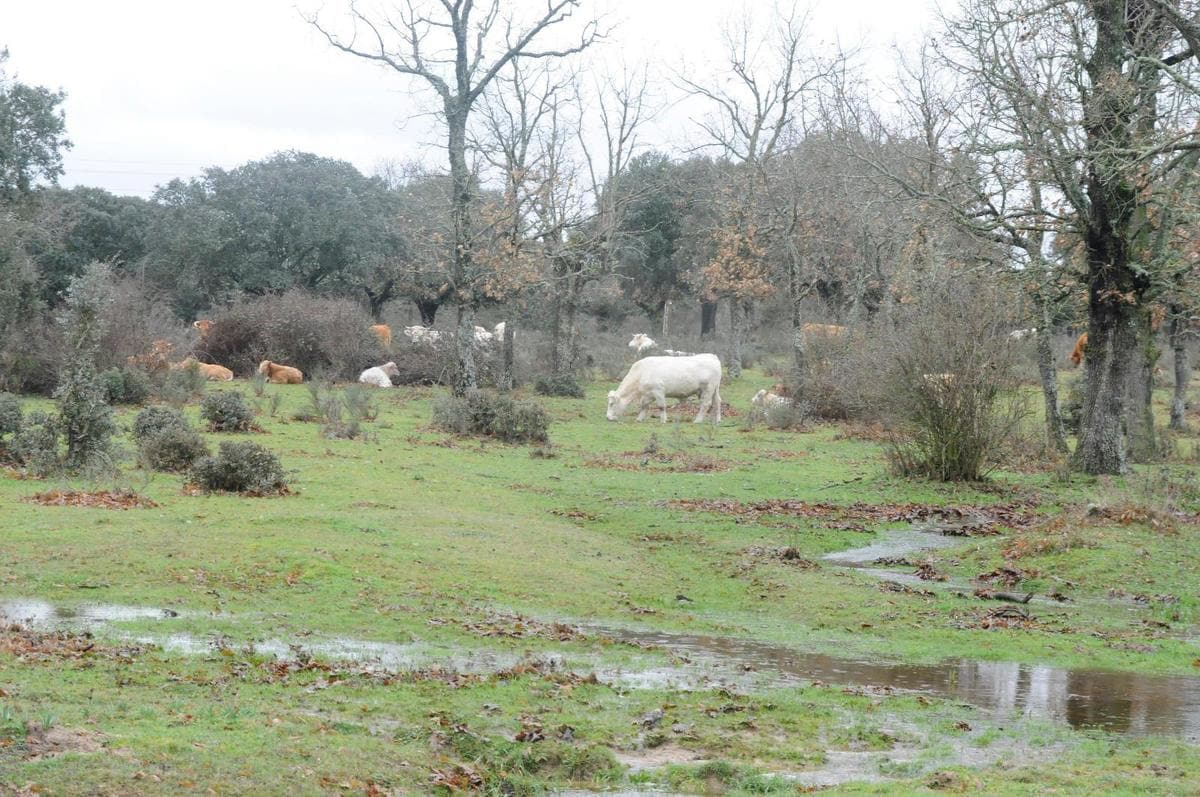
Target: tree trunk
[[506, 372], [1178, 338], [1056, 432], [795, 298], [428, 310], [466, 378], [708, 320], [1139, 389], [668, 305], [740, 322], [461, 260], [566, 308]]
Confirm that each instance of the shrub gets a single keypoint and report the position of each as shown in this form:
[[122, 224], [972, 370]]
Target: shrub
[[342, 413], [227, 411], [173, 449], [10, 414], [156, 420], [84, 417], [240, 467], [182, 385], [426, 365], [492, 415], [126, 385], [36, 444], [561, 385], [953, 386], [318, 335], [786, 416]]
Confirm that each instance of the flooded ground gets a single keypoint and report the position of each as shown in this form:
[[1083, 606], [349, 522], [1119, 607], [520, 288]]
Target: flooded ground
[[1120, 702]]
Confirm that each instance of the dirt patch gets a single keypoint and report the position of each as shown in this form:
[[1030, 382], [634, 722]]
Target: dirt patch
[[37, 646], [688, 409], [661, 462], [961, 520], [575, 514], [97, 499], [656, 757], [870, 432], [50, 742], [786, 554], [778, 453]]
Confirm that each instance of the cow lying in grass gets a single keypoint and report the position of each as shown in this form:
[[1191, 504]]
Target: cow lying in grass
[[280, 374], [380, 375], [653, 379], [765, 399], [212, 372]]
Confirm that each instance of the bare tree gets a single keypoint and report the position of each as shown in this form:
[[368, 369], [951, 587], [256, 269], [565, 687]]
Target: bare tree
[[757, 104], [457, 50]]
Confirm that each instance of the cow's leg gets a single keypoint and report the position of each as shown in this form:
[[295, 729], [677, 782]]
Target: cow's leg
[[645, 405], [705, 396], [717, 403], [661, 397]]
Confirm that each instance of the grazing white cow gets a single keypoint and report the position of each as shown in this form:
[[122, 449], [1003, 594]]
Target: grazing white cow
[[420, 334], [642, 343], [483, 337], [1021, 334], [653, 379], [764, 399], [380, 375]]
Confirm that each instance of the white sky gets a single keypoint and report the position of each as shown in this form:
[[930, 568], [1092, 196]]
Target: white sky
[[158, 89]]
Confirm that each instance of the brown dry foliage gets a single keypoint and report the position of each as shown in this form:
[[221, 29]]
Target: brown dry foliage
[[97, 499]]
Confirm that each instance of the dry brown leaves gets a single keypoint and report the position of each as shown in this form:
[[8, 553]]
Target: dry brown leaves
[[30, 645], [960, 520], [688, 409], [1002, 617], [927, 572], [519, 627], [870, 432], [786, 554], [575, 514], [456, 778], [97, 499], [1005, 576]]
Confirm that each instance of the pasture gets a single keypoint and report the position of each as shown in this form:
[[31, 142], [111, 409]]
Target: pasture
[[634, 607]]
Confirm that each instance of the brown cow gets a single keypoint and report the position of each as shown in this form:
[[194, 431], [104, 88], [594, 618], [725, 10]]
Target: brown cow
[[280, 374], [204, 326], [1078, 351], [823, 330], [384, 333], [154, 360], [212, 372]]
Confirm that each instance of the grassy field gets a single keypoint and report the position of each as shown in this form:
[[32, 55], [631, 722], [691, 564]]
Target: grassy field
[[434, 612]]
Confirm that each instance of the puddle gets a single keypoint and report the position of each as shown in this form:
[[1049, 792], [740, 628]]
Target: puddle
[[46, 616], [1118, 702], [894, 544]]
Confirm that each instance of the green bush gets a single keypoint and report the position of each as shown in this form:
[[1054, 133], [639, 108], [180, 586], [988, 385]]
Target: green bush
[[227, 411], [155, 420], [183, 385], [174, 449], [125, 386], [35, 445], [492, 415], [566, 386], [241, 467], [10, 414]]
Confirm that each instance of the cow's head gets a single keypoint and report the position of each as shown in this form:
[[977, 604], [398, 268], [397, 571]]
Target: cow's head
[[616, 405], [264, 367], [390, 369]]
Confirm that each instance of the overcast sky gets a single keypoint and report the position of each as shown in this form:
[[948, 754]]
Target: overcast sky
[[160, 89]]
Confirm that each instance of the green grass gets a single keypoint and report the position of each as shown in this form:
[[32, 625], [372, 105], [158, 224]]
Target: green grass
[[417, 538]]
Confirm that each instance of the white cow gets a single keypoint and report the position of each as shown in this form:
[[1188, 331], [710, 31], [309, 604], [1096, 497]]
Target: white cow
[[642, 343], [764, 399], [1021, 334], [380, 375], [420, 334], [653, 379], [498, 331], [482, 336]]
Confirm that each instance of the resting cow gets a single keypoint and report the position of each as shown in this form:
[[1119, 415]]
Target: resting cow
[[823, 330], [280, 374], [204, 326], [1078, 351], [380, 375], [642, 343], [765, 400], [212, 372], [653, 379], [420, 334]]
